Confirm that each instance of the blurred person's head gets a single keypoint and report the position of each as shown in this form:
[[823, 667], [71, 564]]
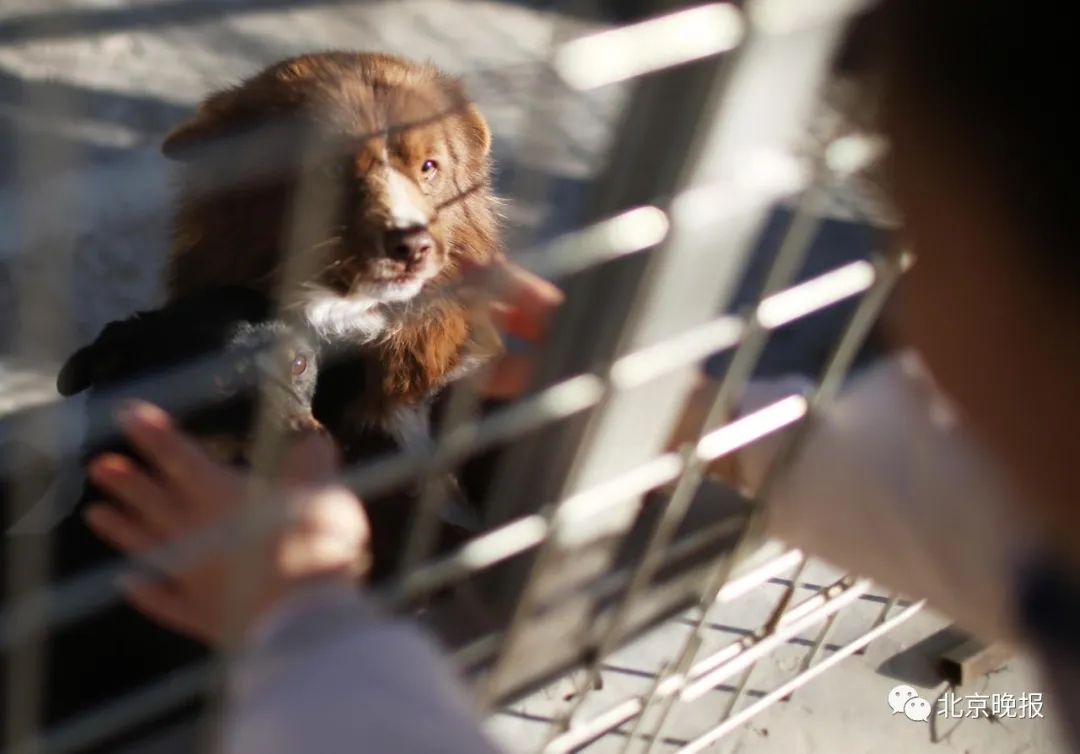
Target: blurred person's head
[[976, 103]]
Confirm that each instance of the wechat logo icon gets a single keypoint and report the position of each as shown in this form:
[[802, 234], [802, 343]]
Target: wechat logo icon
[[904, 699]]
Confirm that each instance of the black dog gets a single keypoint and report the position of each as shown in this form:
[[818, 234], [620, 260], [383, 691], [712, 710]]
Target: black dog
[[214, 361]]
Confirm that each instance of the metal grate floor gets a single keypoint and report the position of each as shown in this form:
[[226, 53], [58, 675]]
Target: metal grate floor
[[845, 711]]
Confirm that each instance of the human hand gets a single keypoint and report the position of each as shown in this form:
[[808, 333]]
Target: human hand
[[522, 307], [325, 535]]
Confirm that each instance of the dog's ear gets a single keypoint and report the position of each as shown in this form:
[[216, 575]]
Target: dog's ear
[[87, 365], [478, 129], [217, 117], [78, 371]]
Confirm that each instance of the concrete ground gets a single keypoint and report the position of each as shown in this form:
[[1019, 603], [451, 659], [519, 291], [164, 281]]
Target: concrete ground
[[87, 89]]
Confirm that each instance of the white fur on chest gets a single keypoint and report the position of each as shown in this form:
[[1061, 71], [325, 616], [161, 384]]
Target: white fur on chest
[[364, 316], [332, 316]]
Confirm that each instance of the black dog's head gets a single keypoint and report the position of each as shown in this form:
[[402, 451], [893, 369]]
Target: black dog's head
[[211, 360]]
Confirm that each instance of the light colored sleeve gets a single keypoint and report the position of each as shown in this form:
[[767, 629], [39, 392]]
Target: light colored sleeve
[[888, 484], [325, 674]]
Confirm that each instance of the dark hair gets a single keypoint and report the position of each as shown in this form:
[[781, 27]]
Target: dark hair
[[994, 74]]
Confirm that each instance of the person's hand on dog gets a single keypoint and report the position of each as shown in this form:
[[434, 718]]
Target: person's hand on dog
[[182, 491], [522, 307]]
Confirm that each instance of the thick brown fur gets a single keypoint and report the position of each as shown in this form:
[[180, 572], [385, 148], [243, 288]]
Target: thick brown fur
[[295, 159]]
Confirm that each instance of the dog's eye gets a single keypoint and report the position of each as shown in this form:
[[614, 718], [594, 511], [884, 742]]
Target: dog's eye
[[299, 364], [429, 169]]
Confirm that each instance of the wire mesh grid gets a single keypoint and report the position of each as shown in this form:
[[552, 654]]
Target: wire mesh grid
[[595, 533]]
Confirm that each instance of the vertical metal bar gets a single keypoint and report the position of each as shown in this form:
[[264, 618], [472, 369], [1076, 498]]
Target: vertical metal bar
[[311, 216], [819, 642], [740, 689], [539, 137], [623, 298], [823, 632], [461, 406], [43, 338], [464, 402], [660, 128], [683, 659], [889, 604], [793, 249], [639, 719], [886, 607], [785, 600]]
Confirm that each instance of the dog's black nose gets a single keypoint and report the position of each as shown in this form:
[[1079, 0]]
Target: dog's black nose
[[410, 245]]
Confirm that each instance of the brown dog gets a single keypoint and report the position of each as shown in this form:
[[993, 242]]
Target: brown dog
[[350, 185]]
